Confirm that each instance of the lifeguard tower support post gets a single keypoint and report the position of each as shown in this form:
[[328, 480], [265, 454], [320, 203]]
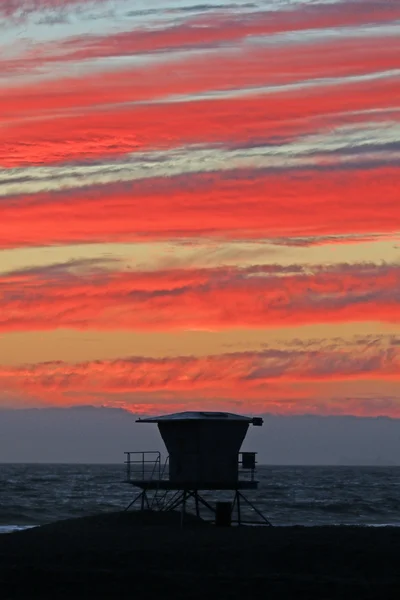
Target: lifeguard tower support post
[[204, 455]]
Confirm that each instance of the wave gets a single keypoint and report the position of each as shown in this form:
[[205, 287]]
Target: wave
[[45, 479], [35, 495], [315, 507], [12, 528]]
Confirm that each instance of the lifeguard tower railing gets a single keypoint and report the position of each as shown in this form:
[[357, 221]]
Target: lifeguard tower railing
[[148, 466], [146, 470]]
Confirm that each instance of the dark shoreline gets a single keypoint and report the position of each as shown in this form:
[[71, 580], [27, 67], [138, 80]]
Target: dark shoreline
[[128, 555]]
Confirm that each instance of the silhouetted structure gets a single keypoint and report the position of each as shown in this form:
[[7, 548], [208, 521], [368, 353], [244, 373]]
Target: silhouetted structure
[[204, 455]]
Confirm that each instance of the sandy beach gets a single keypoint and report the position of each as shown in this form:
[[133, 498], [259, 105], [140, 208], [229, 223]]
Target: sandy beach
[[128, 555]]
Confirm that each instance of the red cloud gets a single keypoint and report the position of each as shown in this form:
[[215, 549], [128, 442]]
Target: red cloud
[[230, 205], [236, 120], [220, 29], [266, 379], [232, 71], [265, 296]]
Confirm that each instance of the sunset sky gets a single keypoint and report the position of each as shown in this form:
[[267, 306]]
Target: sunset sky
[[200, 205]]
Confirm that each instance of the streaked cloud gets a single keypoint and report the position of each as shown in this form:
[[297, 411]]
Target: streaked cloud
[[216, 30], [237, 120], [349, 145], [81, 296], [72, 345], [236, 204], [199, 204], [265, 379]]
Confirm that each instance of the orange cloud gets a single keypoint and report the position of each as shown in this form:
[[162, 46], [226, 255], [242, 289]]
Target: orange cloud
[[231, 205], [221, 298], [269, 380]]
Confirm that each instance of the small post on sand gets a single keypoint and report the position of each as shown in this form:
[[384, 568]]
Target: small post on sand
[[196, 499], [238, 507], [183, 510]]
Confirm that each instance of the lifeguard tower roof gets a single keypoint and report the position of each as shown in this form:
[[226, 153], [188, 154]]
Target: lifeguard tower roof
[[203, 446], [202, 416]]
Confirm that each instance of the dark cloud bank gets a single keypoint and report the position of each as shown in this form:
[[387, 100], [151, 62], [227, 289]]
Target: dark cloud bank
[[88, 434]]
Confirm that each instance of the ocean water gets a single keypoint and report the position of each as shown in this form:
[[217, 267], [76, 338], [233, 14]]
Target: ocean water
[[31, 495]]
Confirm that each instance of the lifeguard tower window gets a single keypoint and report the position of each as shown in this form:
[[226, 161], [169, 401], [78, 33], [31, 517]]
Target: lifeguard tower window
[[248, 460]]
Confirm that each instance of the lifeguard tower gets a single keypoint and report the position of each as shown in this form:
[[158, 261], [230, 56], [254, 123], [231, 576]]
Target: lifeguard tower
[[204, 458]]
